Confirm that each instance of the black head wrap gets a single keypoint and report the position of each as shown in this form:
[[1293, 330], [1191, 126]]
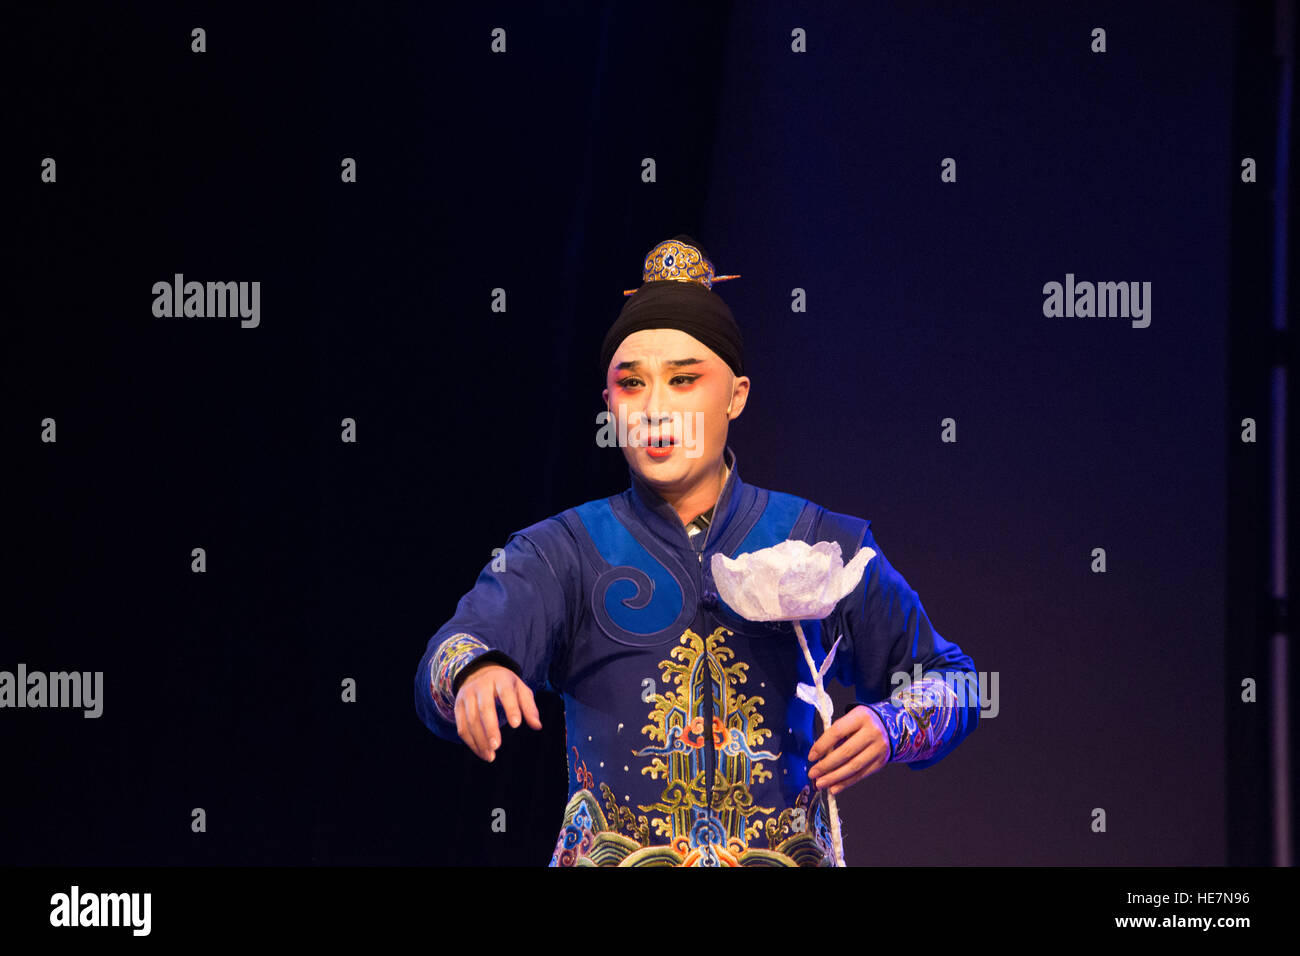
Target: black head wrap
[[683, 302]]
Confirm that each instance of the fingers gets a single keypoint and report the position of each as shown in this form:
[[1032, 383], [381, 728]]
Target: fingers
[[845, 751], [837, 731], [505, 687], [472, 733], [529, 706], [486, 699], [476, 710], [518, 702], [859, 756], [866, 771]]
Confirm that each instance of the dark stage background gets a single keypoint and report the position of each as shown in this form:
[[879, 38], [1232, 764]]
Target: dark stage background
[[522, 170]]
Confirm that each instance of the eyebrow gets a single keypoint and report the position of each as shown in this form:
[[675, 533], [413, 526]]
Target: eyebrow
[[671, 363]]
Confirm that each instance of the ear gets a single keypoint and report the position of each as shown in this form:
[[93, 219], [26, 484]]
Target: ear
[[739, 396], [604, 397]]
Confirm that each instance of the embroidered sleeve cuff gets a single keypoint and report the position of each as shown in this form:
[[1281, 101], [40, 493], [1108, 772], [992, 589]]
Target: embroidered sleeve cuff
[[448, 660], [919, 720]]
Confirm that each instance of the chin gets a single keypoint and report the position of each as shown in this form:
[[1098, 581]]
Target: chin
[[660, 473]]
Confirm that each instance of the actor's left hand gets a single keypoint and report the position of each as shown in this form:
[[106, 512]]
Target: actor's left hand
[[853, 747]]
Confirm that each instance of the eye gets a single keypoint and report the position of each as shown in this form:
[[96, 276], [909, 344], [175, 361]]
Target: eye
[[632, 381]]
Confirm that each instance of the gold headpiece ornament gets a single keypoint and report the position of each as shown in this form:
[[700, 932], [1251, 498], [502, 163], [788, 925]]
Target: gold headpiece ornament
[[677, 261]]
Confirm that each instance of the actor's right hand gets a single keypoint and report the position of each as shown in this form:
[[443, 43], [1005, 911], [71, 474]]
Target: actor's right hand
[[476, 708]]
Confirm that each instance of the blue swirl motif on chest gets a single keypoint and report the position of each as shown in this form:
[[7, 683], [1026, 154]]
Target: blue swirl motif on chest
[[645, 596]]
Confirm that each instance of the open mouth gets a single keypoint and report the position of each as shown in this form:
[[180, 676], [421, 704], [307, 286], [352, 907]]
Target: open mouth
[[661, 446]]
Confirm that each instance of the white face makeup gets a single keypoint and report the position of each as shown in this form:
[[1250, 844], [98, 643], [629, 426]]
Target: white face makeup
[[674, 398]]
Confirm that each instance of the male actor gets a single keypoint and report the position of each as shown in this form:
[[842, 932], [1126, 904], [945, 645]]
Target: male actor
[[687, 744]]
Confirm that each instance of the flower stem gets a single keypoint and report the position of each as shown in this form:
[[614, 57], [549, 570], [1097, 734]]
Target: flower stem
[[838, 844]]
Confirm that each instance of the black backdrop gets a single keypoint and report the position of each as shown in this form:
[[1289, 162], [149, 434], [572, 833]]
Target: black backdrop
[[522, 170]]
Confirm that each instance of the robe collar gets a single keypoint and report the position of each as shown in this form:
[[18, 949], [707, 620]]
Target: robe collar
[[659, 516]]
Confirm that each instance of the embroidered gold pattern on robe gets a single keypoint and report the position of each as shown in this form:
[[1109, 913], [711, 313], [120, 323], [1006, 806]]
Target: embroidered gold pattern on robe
[[696, 668]]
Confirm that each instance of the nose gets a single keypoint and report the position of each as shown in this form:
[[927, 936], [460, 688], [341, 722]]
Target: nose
[[656, 403], [654, 411]]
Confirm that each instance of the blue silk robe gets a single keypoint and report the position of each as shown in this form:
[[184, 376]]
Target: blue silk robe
[[612, 605]]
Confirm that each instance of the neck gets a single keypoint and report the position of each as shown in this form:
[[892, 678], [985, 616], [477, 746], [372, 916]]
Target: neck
[[693, 502]]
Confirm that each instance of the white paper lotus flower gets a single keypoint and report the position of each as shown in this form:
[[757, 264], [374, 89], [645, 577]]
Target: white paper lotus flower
[[795, 581], [790, 581]]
